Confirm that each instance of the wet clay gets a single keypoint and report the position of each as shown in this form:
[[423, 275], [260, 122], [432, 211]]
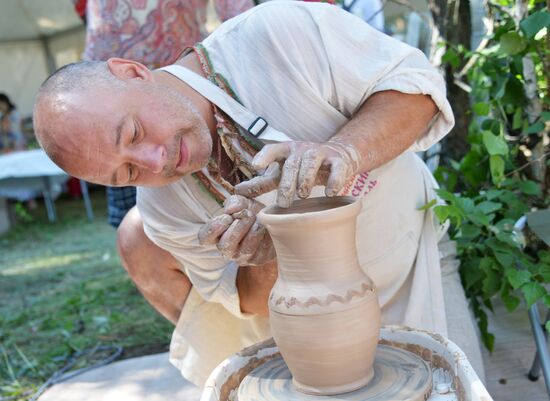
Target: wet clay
[[398, 375], [324, 311]]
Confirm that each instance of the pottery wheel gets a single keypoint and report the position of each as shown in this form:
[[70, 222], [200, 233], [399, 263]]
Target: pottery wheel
[[398, 375]]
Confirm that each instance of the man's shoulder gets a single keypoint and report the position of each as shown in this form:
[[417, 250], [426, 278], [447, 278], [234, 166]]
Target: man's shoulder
[[272, 13]]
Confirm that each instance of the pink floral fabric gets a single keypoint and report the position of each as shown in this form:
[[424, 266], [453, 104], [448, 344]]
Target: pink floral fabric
[[153, 32]]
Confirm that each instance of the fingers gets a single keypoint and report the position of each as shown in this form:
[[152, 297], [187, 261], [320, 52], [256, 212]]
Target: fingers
[[339, 174], [210, 232], [270, 154], [247, 244], [265, 252], [250, 243], [306, 165], [309, 170], [232, 237], [236, 233], [289, 177], [266, 160], [236, 203], [262, 184]]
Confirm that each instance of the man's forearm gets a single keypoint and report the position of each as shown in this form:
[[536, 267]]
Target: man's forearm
[[254, 284], [386, 125]]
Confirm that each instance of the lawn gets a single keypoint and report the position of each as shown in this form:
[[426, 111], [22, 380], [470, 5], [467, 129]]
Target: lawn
[[63, 290]]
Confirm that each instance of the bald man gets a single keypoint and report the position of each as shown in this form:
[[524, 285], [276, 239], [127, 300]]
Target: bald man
[[352, 105]]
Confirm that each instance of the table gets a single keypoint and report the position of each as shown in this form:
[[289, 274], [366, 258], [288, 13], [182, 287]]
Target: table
[[34, 170]]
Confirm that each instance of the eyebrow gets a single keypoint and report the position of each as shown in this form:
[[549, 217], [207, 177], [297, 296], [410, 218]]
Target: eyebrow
[[117, 143]]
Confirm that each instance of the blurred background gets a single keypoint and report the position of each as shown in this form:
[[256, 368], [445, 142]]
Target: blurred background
[[63, 291]]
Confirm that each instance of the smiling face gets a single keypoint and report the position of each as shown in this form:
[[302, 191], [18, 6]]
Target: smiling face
[[142, 133]]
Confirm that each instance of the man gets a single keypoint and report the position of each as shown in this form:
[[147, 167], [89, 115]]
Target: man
[[355, 103]]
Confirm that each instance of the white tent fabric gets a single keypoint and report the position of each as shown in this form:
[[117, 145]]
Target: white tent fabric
[[36, 37]]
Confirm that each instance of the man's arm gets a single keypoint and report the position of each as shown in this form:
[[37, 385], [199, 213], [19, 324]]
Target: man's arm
[[254, 284], [386, 125]]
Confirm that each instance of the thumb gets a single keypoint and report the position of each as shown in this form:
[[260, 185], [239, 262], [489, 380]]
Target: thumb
[[269, 154], [261, 184]]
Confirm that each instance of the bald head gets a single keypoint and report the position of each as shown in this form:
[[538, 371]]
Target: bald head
[[114, 123], [57, 95], [77, 76]]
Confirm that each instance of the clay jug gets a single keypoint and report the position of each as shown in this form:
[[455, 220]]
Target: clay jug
[[324, 311]]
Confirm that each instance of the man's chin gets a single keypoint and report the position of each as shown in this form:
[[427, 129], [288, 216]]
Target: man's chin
[[177, 175]]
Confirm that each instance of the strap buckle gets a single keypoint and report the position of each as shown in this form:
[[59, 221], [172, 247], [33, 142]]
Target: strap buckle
[[257, 127]]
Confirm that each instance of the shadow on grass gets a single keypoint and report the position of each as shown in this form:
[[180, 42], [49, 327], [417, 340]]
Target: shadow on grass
[[62, 290]]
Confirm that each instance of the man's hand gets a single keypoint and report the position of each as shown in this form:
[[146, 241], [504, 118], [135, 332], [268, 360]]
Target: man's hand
[[237, 234], [306, 164], [386, 125]]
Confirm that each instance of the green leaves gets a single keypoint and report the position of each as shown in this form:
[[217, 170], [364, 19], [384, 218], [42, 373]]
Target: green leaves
[[532, 292], [535, 128], [496, 165], [451, 57], [471, 273], [493, 279], [490, 187], [481, 109], [529, 188], [510, 301], [489, 207], [517, 278], [428, 205], [495, 145], [469, 231], [535, 22], [512, 43]]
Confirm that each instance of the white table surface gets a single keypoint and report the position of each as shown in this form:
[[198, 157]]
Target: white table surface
[[33, 170], [27, 163]]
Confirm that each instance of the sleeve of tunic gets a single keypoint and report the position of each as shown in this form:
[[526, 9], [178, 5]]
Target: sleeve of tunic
[[344, 58]]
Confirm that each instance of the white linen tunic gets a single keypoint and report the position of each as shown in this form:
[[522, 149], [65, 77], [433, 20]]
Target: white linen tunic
[[307, 68]]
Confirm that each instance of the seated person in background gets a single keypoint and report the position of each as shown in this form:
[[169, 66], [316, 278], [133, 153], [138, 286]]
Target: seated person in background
[[348, 97], [11, 137]]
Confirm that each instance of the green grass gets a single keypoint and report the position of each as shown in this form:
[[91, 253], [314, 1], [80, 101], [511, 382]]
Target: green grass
[[62, 290]]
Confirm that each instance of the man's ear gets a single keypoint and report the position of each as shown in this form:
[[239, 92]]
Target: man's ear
[[128, 69]]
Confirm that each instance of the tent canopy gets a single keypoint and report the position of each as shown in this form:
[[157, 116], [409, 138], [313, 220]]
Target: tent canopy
[[36, 37], [35, 19]]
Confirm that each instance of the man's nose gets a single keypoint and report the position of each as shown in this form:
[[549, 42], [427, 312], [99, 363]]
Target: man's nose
[[151, 157]]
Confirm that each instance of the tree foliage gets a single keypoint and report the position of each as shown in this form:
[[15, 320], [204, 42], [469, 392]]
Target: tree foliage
[[504, 172]]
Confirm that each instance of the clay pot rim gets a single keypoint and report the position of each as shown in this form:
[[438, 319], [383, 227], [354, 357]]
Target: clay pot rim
[[268, 214]]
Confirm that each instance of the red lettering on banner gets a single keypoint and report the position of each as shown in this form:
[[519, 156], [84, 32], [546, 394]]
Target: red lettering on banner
[[371, 186], [359, 185]]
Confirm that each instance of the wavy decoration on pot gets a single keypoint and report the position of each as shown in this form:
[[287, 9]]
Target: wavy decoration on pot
[[343, 299]]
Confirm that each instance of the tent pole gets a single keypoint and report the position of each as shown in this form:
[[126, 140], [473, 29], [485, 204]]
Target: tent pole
[[50, 61]]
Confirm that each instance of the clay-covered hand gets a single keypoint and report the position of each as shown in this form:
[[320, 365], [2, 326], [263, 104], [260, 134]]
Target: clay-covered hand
[[306, 164], [237, 234]]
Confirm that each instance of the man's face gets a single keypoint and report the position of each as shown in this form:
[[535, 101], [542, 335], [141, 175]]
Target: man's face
[[143, 134]]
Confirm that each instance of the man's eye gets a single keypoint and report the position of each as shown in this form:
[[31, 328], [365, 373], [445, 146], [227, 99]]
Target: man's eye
[[135, 135]]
